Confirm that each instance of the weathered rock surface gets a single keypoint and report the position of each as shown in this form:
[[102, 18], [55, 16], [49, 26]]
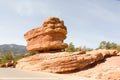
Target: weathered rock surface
[[109, 69], [49, 36], [63, 61], [8, 64]]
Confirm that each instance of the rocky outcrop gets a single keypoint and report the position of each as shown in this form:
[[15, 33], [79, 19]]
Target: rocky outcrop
[[109, 69], [104, 52], [48, 37], [8, 64], [63, 61]]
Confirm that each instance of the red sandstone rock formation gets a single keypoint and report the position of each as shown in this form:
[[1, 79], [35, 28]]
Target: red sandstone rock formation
[[49, 36], [109, 69], [62, 61]]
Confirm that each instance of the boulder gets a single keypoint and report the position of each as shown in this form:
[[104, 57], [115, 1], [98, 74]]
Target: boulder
[[61, 62], [104, 52], [9, 64], [48, 37]]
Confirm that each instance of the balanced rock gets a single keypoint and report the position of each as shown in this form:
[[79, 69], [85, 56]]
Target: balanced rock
[[48, 37]]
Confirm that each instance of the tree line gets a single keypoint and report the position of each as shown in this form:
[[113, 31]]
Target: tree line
[[9, 56], [102, 45]]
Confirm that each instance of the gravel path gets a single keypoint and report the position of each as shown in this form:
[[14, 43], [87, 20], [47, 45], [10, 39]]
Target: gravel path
[[15, 74]]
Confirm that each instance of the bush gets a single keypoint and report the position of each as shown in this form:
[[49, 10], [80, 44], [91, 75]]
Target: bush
[[7, 57]]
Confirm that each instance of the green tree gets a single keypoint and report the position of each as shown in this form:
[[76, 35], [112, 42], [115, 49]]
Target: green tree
[[118, 48], [19, 56], [71, 48], [107, 45], [7, 57], [86, 49], [31, 53], [102, 45]]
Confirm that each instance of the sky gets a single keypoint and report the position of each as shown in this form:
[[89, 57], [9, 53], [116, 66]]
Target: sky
[[88, 21]]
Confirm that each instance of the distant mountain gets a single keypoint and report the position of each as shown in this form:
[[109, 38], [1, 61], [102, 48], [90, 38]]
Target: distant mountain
[[15, 49]]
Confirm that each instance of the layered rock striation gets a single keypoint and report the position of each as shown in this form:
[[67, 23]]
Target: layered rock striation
[[63, 61], [48, 37], [109, 69]]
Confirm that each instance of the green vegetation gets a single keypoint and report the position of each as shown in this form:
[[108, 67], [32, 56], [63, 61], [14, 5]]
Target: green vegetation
[[31, 53], [15, 49], [19, 56], [7, 57], [108, 45], [72, 48], [10, 56], [102, 45]]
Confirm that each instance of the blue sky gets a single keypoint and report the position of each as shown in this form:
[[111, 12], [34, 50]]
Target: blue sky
[[88, 21]]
